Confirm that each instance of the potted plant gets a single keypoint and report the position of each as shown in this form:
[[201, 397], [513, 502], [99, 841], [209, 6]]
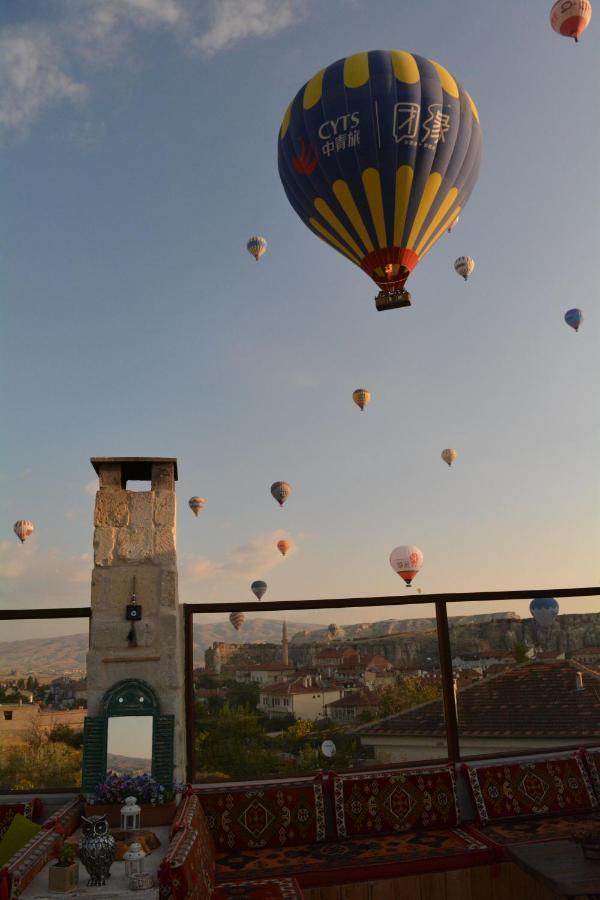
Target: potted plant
[[157, 802], [63, 876], [589, 838]]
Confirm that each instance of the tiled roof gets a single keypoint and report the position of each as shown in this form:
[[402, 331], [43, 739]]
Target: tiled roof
[[355, 699], [267, 667], [295, 686], [537, 699]]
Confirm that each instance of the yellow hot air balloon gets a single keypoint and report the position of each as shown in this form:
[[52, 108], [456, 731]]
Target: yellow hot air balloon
[[449, 455], [361, 397]]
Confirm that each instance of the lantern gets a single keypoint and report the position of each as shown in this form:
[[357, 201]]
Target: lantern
[[130, 815], [134, 860]]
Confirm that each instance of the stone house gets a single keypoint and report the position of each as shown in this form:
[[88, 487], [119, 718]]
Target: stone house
[[303, 698]]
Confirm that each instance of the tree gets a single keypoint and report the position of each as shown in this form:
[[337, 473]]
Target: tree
[[39, 763], [232, 743], [520, 652], [410, 692], [243, 694], [301, 728], [64, 734]]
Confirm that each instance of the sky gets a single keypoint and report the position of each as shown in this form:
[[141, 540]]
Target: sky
[[138, 145]]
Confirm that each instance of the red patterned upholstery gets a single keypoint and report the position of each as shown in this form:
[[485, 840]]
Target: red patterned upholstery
[[531, 830], [182, 874], [389, 802], [189, 814], [592, 758], [66, 820], [31, 809], [251, 816], [538, 787], [259, 889], [22, 868]]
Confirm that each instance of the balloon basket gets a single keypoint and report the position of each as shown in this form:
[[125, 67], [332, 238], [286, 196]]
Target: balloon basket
[[392, 299]]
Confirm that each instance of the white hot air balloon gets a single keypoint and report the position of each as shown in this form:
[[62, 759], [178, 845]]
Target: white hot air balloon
[[406, 561], [23, 529], [465, 266], [449, 455], [196, 504]]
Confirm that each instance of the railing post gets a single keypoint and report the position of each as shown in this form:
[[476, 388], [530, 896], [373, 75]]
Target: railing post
[[190, 725], [445, 653]]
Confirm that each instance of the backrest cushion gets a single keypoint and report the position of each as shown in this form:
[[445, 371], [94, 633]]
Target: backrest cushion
[[592, 758], [388, 802], [31, 809], [16, 836], [274, 814], [534, 787], [181, 873]]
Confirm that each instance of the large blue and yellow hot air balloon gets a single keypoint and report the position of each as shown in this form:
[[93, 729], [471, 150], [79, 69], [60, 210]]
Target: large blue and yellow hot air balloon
[[378, 154]]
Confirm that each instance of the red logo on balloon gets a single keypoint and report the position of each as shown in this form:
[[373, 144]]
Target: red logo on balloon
[[306, 163], [414, 558]]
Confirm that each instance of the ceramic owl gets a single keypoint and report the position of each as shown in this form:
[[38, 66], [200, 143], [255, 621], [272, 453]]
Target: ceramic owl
[[96, 849]]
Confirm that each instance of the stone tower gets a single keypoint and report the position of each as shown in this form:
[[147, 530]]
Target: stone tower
[[285, 658], [134, 535]]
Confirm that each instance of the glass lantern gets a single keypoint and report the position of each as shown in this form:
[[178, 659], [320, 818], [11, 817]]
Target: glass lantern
[[130, 815], [134, 860]]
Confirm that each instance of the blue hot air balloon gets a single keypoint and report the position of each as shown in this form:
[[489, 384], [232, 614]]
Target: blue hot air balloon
[[574, 318], [378, 154], [258, 588], [544, 610]]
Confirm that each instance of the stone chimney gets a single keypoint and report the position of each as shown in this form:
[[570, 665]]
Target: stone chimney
[[134, 536], [285, 657]]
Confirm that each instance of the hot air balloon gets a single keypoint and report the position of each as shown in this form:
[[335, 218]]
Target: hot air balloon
[[378, 153], [453, 224], [283, 546], [23, 529], [465, 265], [237, 619], [574, 318], [257, 246], [259, 589], [571, 17], [544, 610], [196, 504], [281, 490], [449, 455], [361, 397], [406, 562]]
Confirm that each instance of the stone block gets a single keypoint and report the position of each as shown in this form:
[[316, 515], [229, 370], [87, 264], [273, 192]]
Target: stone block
[[140, 508], [163, 477], [169, 595], [134, 543], [110, 476], [164, 544], [111, 508], [104, 546], [164, 508]]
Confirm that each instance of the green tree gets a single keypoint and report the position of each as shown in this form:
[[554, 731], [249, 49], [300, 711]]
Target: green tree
[[64, 734], [232, 743], [520, 652], [410, 692], [242, 694], [301, 728], [39, 763]]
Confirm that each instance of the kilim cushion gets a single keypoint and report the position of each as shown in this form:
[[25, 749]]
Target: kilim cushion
[[259, 889], [558, 784], [265, 815], [31, 809], [181, 875], [592, 757], [372, 803]]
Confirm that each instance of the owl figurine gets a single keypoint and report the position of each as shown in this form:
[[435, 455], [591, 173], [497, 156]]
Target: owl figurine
[[96, 849]]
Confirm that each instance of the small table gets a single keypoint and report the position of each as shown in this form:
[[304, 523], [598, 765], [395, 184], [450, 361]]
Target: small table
[[560, 866]]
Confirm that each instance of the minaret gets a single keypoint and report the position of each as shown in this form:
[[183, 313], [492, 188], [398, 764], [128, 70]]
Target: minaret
[[285, 659]]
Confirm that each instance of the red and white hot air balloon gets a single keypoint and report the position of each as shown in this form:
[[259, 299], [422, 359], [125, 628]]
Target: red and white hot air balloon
[[23, 529], [571, 17], [196, 504], [406, 562], [237, 619], [283, 546]]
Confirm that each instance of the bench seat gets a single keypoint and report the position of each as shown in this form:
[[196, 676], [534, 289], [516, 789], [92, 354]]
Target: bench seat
[[259, 889], [529, 831]]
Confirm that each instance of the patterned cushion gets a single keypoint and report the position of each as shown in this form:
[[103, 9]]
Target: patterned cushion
[[31, 809], [25, 865], [189, 813], [181, 874], [592, 758], [259, 889], [265, 815], [66, 820], [394, 801], [558, 784], [532, 831]]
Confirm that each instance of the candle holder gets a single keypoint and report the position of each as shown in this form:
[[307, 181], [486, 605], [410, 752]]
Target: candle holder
[[134, 860], [130, 815]]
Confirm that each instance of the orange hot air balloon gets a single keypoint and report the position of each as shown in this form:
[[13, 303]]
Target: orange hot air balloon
[[283, 546], [571, 17]]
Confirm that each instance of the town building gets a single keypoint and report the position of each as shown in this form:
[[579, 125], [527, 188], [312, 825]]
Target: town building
[[303, 697], [534, 706], [265, 673], [352, 706]]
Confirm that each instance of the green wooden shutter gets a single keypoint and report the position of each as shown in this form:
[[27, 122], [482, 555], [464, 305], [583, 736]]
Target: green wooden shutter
[[94, 751], [163, 734]]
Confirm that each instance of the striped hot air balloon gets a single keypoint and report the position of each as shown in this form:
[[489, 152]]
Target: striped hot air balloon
[[23, 529], [406, 562], [574, 318], [281, 490], [259, 589], [571, 17], [283, 546], [378, 154], [361, 397], [237, 619], [465, 266], [257, 246], [449, 455], [196, 504]]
